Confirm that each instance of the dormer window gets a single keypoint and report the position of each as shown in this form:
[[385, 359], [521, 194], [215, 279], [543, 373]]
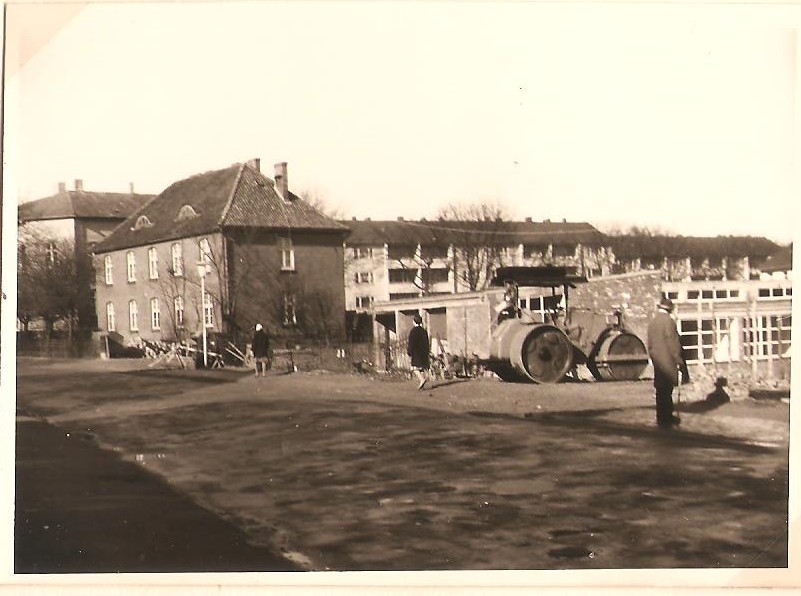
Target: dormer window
[[186, 212], [142, 222]]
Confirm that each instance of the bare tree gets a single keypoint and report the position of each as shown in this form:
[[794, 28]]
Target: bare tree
[[476, 231], [47, 280], [316, 199]]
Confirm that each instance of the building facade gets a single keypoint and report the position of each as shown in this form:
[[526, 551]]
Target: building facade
[[223, 250], [83, 218], [401, 260]]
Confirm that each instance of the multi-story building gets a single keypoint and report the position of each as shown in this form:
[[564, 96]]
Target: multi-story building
[[691, 258], [400, 259], [223, 249], [83, 218]]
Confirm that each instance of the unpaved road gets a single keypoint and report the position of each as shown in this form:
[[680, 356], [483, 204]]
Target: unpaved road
[[343, 472]]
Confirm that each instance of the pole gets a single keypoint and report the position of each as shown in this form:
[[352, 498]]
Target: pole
[[203, 318]]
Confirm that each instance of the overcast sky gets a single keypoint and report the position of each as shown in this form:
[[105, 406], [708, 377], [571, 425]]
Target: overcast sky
[[664, 116]]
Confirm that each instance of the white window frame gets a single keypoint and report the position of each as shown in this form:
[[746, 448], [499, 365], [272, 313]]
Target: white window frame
[[130, 263], [152, 263], [290, 310], [364, 301], [108, 267], [362, 252], [177, 258], [111, 319], [287, 254], [208, 310], [133, 315], [204, 253], [155, 314], [178, 309]]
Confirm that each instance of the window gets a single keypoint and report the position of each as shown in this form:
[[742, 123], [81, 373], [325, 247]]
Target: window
[[399, 276], [364, 301], [208, 310], [130, 259], [290, 316], [186, 212], [434, 276], [178, 307], [108, 269], [362, 252], [403, 295], [133, 316], [204, 253], [111, 321], [155, 314], [363, 277], [433, 251], [767, 335], [402, 251], [152, 263], [177, 254], [287, 254], [564, 250], [142, 222]]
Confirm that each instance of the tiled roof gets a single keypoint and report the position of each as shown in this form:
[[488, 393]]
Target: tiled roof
[[630, 246], [237, 196], [255, 203], [369, 232], [82, 205], [781, 260]]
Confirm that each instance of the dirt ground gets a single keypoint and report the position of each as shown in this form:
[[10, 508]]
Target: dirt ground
[[350, 472]]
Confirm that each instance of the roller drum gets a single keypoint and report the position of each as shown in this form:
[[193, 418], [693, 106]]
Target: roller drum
[[619, 356]]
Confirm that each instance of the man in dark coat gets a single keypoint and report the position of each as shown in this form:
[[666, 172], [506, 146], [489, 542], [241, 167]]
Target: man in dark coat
[[664, 347], [261, 350], [419, 349]]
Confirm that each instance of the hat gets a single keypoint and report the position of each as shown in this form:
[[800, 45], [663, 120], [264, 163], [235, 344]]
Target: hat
[[666, 304], [258, 327], [418, 320]]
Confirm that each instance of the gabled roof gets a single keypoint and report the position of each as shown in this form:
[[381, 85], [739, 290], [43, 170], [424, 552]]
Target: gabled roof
[[444, 232], [235, 197], [79, 204]]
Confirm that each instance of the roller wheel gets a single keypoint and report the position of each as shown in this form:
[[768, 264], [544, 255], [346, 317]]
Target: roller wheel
[[547, 355]]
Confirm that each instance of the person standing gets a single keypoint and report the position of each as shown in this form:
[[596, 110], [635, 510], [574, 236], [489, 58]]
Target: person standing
[[664, 348], [419, 349], [261, 350]]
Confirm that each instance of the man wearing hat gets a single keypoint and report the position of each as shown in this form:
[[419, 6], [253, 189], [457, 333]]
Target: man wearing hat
[[664, 348]]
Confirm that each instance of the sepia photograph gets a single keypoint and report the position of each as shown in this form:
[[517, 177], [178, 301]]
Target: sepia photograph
[[455, 295]]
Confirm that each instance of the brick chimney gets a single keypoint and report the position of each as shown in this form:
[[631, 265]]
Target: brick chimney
[[281, 182], [79, 185], [62, 187], [131, 184], [528, 220], [255, 163]]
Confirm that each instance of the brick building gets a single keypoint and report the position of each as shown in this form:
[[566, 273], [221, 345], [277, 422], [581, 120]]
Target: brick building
[[268, 256], [84, 218]]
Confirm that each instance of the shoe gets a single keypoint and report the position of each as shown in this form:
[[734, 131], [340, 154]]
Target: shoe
[[422, 383]]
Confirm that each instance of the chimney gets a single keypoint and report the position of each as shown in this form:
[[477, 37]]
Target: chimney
[[400, 218], [354, 218], [79, 185], [131, 184], [62, 187], [255, 163], [528, 220], [281, 184]]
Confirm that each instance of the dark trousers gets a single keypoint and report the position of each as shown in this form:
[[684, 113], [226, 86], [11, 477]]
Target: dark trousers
[[664, 398]]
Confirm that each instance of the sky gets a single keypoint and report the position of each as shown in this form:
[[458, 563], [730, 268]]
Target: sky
[[677, 118]]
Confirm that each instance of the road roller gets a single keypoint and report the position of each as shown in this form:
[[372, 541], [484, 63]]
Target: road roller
[[522, 349]]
